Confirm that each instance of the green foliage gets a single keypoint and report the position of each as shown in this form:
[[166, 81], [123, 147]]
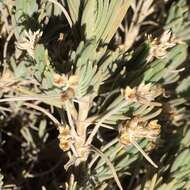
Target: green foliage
[[74, 9], [184, 86], [178, 20], [158, 72], [24, 10], [26, 7], [77, 102]]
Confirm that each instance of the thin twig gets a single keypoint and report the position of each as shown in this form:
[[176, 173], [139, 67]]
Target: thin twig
[[94, 149], [100, 164], [143, 153], [71, 123], [28, 98], [107, 126], [5, 109], [96, 128], [64, 12], [153, 182], [5, 50], [43, 111], [108, 145]]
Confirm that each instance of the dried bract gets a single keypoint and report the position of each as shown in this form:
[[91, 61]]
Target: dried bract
[[67, 94], [134, 130], [65, 138], [144, 93], [61, 80], [159, 46], [29, 41], [73, 81], [74, 143]]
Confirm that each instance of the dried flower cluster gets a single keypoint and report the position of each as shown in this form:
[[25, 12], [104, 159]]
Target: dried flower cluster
[[160, 46], [134, 130], [65, 138], [63, 86], [144, 93], [29, 41], [69, 140], [61, 80], [67, 84]]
